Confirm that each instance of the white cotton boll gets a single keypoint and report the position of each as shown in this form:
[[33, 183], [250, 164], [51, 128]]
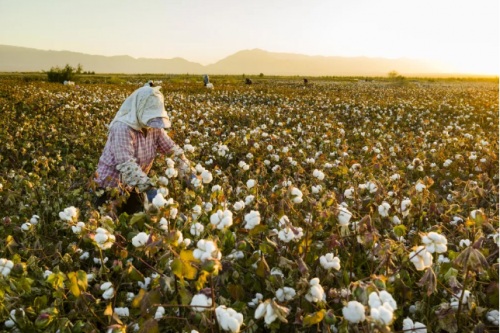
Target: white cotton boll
[[270, 315], [396, 220], [383, 209], [316, 292], [249, 199], [163, 181], [354, 312], [260, 311], [252, 219], [285, 294], [26, 226], [159, 312], [297, 195], [130, 296], [455, 300], [382, 314], [239, 205], [140, 239], [122, 312], [171, 173], [84, 256], [286, 235], [395, 177], [349, 193], [344, 216], [372, 187], [251, 183], [421, 258], [316, 189], [464, 243], [200, 300], [318, 174], [145, 284], [329, 261], [197, 229], [109, 293], [206, 176], [68, 214], [435, 242], [159, 200], [222, 219], [170, 162], [492, 317], [34, 219], [46, 274], [216, 188], [420, 187]]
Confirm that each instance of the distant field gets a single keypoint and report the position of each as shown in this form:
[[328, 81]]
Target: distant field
[[335, 190]]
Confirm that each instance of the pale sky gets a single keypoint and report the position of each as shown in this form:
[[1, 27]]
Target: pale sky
[[464, 33]]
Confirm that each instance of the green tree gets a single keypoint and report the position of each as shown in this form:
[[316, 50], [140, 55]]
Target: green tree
[[393, 75], [261, 75]]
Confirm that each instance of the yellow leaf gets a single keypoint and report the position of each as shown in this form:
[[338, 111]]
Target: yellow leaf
[[137, 300], [313, 318], [73, 284], [187, 255], [109, 310]]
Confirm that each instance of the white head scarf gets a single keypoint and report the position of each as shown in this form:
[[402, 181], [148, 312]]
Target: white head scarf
[[145, 104]]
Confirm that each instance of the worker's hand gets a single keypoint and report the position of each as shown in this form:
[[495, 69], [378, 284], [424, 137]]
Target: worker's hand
[[151, 194]]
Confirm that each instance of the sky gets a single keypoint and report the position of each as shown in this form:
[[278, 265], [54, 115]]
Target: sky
[[463, 33]]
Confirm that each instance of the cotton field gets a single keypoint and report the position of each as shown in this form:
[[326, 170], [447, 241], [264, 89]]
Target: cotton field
[[331, 207]]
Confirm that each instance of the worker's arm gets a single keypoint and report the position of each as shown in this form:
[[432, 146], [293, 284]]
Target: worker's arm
[[167, 146], [122, 143]]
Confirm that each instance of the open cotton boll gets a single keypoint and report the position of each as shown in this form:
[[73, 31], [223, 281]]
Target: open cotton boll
[[255, 301], [372, 187], [122, 312], [239, 205], [456, 300], [296, 195], [140, 239], [144, 285], [159, 312], [344, 216], [409, 326], [68, 214], [382, 315], [420, 187], [77, 229], [222, 219], [286, 235], [104, 239], [395, 177], [109, 292], [251, 183], [349, 193], [159, 200], [435, 242], [492, 317], [252, 219], [285, 294], [200, 300], [229, 319], [421, 258], [206, 176], [316, 189], [34, 219], [354, 312], [329, 261], [25, 226], [163, 181], [396, 220], [316, 292], [266, 310], [383, 209], [205, 250], [196, 229], [318, 174]]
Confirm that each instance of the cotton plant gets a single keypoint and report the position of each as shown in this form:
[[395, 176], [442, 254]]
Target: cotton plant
[[229, 319], [104, 239], [222, 219], [382, 307], [69, 214]]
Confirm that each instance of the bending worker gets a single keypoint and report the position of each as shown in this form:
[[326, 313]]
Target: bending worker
[[135, 135]]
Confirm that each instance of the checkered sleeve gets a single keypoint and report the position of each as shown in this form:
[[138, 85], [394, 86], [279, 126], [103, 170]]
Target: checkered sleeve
[[122, 144], [166, 145]]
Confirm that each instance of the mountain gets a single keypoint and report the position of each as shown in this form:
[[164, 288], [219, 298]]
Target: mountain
[[13, 58]]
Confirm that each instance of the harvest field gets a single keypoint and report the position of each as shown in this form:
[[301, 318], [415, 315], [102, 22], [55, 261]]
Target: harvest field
[[334, 207]]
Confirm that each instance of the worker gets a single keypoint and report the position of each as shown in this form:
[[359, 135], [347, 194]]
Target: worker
[[135, 135]]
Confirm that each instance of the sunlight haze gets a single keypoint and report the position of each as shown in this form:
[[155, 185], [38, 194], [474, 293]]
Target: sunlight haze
[[464, 34]]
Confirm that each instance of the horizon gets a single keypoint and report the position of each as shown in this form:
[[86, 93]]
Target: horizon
[[458, 35]]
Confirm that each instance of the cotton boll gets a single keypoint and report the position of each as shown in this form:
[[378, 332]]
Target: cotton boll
[[328, 261], [35, 219], [140, 239], [206, 177], [251, 183], [420, 187], [492, 317], [239, 205], [421, 258], [159, 201], [159, 312], [200, 300], [354, 312], [344, 216], [197, 229], [383, 209], [434, 242], [222, 219], [252, 219]]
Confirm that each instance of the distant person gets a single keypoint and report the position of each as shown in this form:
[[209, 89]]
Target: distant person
[[206, 80], [135, 135], [306, 81], [248, 81]]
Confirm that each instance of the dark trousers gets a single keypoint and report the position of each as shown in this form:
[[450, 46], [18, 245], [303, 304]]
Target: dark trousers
[[134, 203]]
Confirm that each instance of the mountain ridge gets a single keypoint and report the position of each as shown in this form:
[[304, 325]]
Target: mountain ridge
[[250, 61]]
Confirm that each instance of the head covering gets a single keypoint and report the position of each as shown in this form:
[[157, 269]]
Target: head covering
[[206, 79], [140, 108]]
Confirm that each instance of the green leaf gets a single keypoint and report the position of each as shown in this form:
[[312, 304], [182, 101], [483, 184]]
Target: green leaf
[[257, 229], [149, 326], [150, 301], [134, 274], [400, 230], [136, 218], [236, 292], [81, 278]]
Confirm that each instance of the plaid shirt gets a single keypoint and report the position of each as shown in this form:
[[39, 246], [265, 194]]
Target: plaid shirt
[[125, 143]]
